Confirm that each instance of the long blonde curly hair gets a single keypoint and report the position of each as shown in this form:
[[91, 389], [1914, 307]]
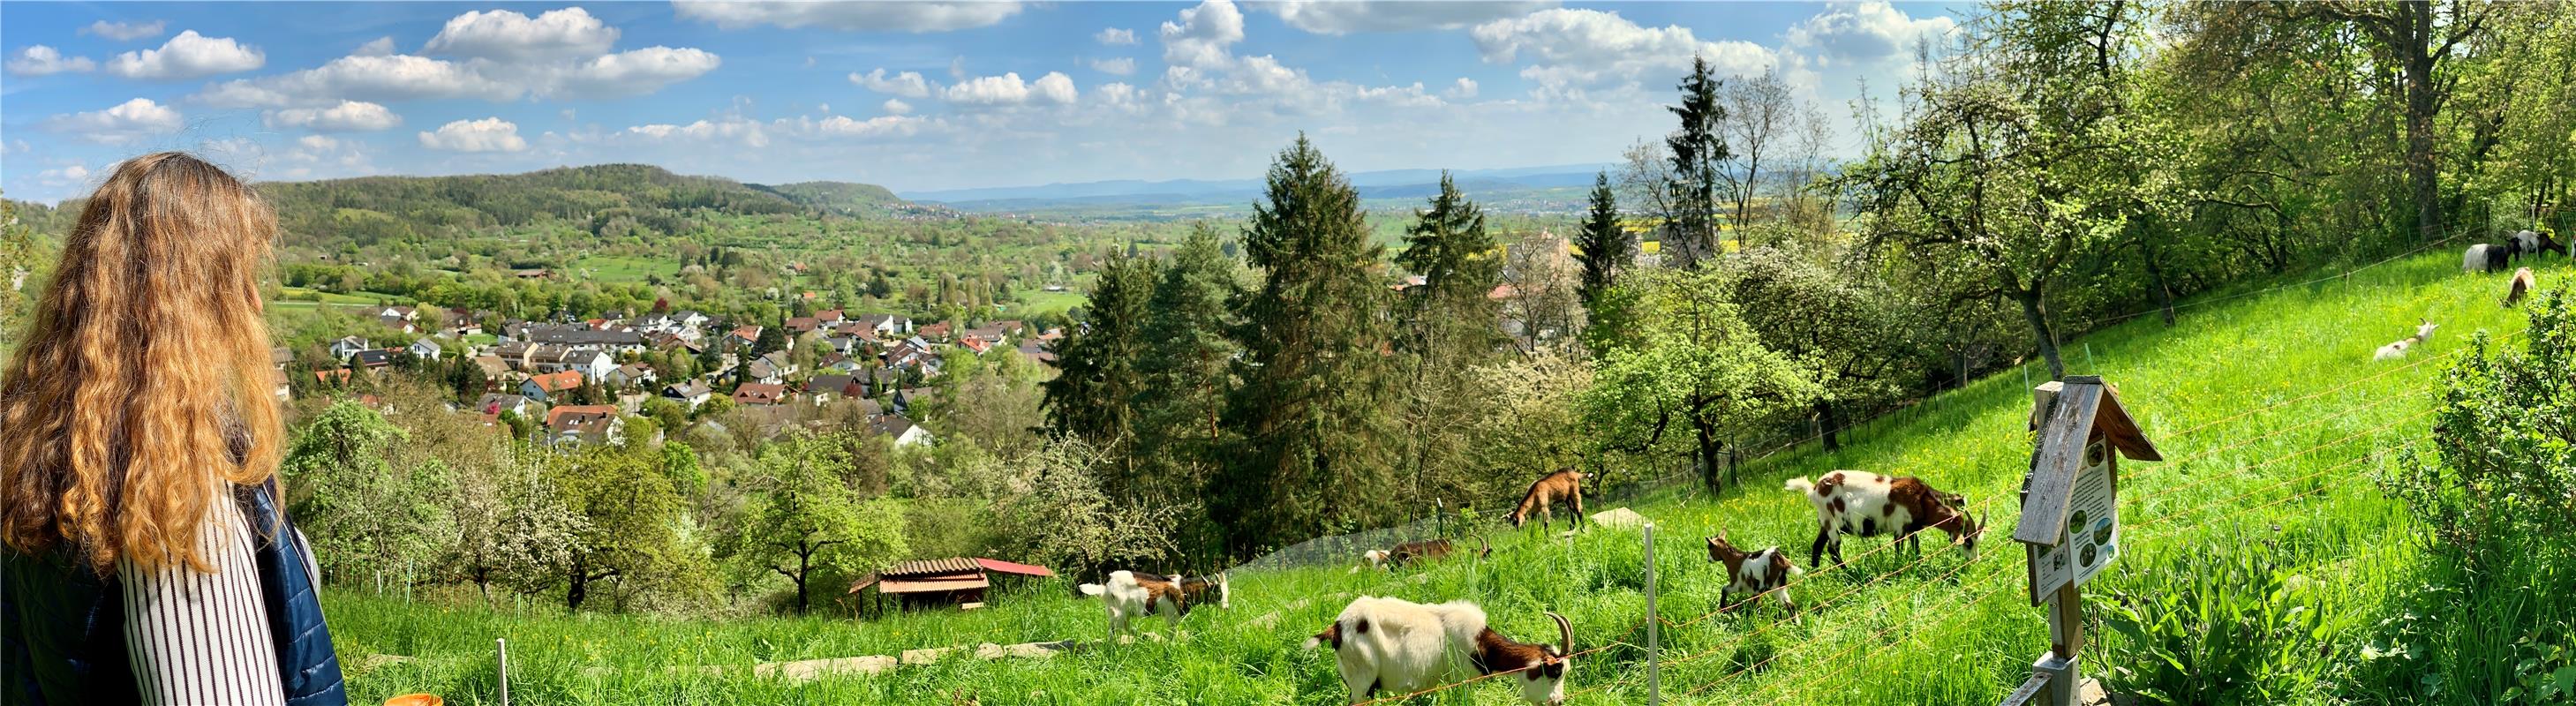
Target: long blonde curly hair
[[141, 391]]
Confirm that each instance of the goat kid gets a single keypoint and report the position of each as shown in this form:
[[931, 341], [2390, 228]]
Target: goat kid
[[1765, 571], [1564, 486], [1869, 504], [2396, 350], [1397, 646], [1131, 594], [2523, 283]]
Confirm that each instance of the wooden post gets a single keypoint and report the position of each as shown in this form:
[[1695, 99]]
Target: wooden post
[[1654, 634]]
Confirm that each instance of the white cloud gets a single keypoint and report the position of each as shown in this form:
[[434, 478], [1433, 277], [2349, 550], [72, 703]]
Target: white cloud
[[907, 84], [1348, 16], [1464, 88], [1120, 66], [128, 122], [1204, 36], [1115, 36], [126, 31], [632, 73], [380, 46], [509, 36], [849, 16], [486, 135], [1008, 89], [840, 126], [67, 176], [317, 142], [40, 60], [746, 132], [893, 106], [1865, 32], [396, 77], [346, 117], [189, 55], [1413, 96], [1572, 49]]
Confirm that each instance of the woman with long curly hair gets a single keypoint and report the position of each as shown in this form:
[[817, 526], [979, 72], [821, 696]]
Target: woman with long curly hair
[[147, 559]]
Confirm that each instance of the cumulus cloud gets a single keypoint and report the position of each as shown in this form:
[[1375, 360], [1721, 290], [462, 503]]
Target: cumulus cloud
[[380, 46], [840, 126], [395, 77], [509, 36], [907, 84], [1860, 32], [893, 106], [1203, 36], [1008, 89], [632, 73], [1411, 96], [1571, 49], [66, 176], [1114, 36], [348, 116], [746, 132], [486, 135], [849, 16], [40, 60], [189, 55], [1120, 66], [1348, 16], [126, 31], [128, 122], [1464, 88]]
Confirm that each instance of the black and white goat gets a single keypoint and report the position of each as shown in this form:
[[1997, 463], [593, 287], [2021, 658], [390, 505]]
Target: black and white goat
[[2398, 349], [2534, 244], [1131, 594], [1869, 504], [1397, 646], [1765, 571], [2490, 258]]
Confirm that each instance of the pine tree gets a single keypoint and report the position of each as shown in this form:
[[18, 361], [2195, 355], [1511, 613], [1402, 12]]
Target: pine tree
[[1697, 154], [1182, 405], [1310, 446], [1449, 325], [1604, 248], [1093, 397]]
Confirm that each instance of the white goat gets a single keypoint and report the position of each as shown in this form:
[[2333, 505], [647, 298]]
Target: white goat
[[2398, 349], [1397, 646], [1130, 594]]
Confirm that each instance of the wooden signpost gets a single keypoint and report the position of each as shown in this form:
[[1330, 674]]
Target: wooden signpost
[[2070, 517]]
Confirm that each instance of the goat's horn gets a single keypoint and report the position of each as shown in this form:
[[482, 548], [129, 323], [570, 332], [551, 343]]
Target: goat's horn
[[1564, 633]]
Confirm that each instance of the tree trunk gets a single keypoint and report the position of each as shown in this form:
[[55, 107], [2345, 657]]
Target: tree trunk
[[1708, 467], [578, 587], [2038, 317], [1825, 418], [2422, 103], [801, 574]]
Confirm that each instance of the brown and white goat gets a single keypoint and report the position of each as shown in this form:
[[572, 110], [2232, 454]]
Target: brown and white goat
[[1130, 594], [1869, 504], [2523, 283], [1765, 571], [1397, 646], [2398, 349], [1419, 551], [1564, 486]]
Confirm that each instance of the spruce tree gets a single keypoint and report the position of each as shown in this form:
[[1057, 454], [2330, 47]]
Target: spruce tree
[[1450, 324], [1604, 248], [1310, 445], [1690, 235], [1182, 404], [1093, 397]]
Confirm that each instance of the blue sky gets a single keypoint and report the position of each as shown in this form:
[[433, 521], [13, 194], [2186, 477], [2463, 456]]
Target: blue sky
[[911, 95]]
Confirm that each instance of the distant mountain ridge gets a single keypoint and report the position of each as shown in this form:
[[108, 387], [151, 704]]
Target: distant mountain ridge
[[599, 198], [1391, 183]]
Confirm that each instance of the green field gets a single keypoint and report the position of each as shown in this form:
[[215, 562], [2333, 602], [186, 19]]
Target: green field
[[623, 270], [2268, 408]]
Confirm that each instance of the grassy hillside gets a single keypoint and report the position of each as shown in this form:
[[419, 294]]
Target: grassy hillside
[[2269, 410]]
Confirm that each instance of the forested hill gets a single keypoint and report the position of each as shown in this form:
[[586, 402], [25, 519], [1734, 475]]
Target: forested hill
[[597, 198]]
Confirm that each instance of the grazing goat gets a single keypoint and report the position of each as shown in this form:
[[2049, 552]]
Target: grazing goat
[[2534, 244], [1385, 644], [2398, 349], [1756, 573], [1564, 486], [2490, 258], [1130, 594], [1428, 549], [2523, 282], [1869, 504]]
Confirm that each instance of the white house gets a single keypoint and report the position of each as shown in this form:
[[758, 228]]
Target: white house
[[424, 349], [349, 346], [905, 432]]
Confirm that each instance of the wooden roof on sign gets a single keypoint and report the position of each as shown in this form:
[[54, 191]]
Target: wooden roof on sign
[[2084, 406]]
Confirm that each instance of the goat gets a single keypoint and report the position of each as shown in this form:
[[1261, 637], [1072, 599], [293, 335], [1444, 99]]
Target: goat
[[1565, 486], [1756, 573], [1411, 552], [2490, 258], [1400, 647], [2523, 282], [2534, 244], [1134, 593], [1869, 504], [2398, 349]]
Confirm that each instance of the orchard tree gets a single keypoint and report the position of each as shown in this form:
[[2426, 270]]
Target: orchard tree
[[365, 515], [513, 528], [805, 522], [1691, 363]]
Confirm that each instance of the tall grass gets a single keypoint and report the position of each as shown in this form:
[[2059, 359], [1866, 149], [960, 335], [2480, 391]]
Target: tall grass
[[2268, 483]]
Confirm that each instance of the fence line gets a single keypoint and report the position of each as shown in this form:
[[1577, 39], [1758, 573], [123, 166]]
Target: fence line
[[1936, 581], [2452, 234]]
